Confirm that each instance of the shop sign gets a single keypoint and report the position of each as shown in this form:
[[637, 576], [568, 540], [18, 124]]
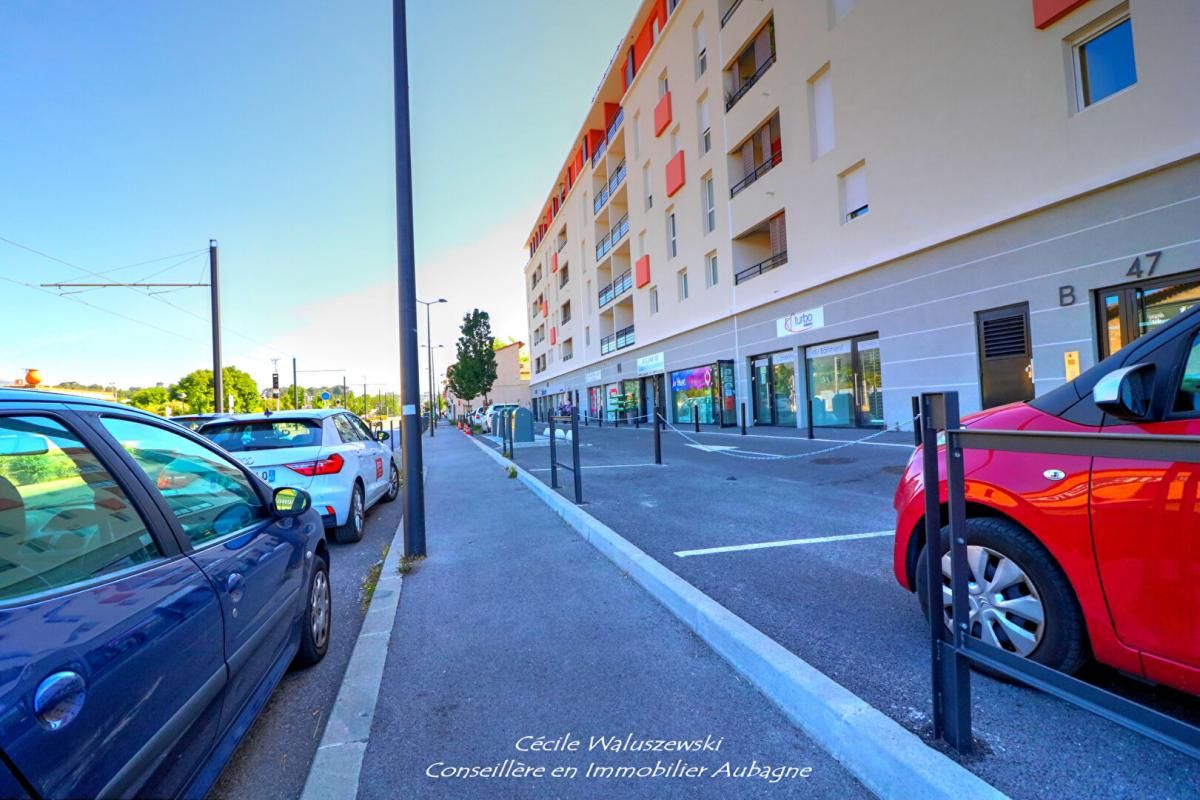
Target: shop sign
[[651, 364], [832, 349], [799, 323], [593, 377], [699, 378]]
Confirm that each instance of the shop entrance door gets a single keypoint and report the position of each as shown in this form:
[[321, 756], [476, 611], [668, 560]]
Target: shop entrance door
[[760, 378], [1005, 355], [773, 379]]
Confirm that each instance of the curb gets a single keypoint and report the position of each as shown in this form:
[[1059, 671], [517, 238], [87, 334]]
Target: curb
[[337, 765], [887, 758]]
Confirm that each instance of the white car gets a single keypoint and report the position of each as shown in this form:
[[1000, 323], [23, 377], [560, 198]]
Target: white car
[[492, 410], [329, 453]]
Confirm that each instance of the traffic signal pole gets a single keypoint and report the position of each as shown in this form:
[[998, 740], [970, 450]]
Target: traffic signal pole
[[214, 288], [410, 381]]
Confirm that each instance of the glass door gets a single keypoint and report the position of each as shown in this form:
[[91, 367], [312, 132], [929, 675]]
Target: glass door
[[727, 388], [783, 388], [760, 369], [1130, 311], [869, 382]]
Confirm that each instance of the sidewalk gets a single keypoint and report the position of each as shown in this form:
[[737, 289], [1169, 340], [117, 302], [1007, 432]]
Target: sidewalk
[[515, 628]]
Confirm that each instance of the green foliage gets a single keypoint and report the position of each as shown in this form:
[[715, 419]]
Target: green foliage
[[475, 370], [29, 470], [196, 390], [153, 399]]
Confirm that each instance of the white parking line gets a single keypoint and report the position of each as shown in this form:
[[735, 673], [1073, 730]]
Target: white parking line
[[599, 466], [784, 543]]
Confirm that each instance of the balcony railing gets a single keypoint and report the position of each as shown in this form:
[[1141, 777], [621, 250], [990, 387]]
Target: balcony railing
[[729, 13], [611, 238], [612, 291], [617, 341], [610, 188], [599, 152], [762, 169], [753, 79], [616, 123], [763, 266]]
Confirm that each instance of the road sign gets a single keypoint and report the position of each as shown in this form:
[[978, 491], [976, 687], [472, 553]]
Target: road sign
[[326, 395]]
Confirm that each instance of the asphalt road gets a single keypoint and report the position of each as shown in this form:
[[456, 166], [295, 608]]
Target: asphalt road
[[272, 761], [837, 605]]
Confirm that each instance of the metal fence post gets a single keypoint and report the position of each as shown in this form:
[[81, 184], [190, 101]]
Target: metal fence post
[[933, 566], [575, 457], [957, 685], [657, 437], [553, 454], [743, 419], [916, 421]]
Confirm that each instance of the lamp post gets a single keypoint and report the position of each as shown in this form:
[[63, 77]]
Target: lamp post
[[432, 372], [429, 338]]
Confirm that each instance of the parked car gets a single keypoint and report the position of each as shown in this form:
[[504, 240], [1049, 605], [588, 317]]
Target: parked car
[[476, 417], [194, 421], [330, 453], [153, 592], [489, 415], [1078, 556]]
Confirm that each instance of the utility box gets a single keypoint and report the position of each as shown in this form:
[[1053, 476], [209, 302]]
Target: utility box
[[523, 427]]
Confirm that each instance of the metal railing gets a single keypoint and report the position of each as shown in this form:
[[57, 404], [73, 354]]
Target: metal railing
[[740, 92], [599, 151], [762, 169], [611, 238], [729, 12], [763, 266], [616, 123], [617, 341], [953, 649], [622, 284], [573, 420], [610, 188]]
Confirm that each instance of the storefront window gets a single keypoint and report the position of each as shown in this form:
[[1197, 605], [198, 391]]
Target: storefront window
[[595, 401], [845, 382], [870, 379], [692, 393], [632, 394], [1130, 311], [783, 367], [612, 401]]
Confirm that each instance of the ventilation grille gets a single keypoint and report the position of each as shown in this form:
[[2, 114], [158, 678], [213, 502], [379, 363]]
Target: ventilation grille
[[1004, 337]]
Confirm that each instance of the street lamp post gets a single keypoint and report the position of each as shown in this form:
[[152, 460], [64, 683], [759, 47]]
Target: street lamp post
[[432, 373], [429, 339]]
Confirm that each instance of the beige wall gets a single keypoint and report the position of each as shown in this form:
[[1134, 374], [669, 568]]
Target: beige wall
[[512, 382], [963, 111]]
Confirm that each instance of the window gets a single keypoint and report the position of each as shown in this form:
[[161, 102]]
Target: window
[[63, 518], [838, 9], [1187, 399], [700, 47], [649, 189], [563, 276], [664, 85], [566, 312], [671, 6], [820, 112], [709, 199], [346, 430], [705, 126], [587, 336], [675, 140], [641, 249], [653, 299], [637, 136], [710, 269], [237, 437], [854, 192], [672, 248], [682, 279], [568, 350], [209, 496], [1104, 62]]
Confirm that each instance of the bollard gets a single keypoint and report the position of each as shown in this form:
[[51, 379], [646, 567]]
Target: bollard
[[696, 418], [743, 419], [637, 422], [575, 457], [553, 454], [657, 437]]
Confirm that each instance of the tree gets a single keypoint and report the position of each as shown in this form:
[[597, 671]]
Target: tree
[[196, 390], [475, 371], [152, 399]]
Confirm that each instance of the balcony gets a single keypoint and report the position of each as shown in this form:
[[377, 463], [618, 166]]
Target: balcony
[[618, 232], [762, 169], [729, 12], [617, 341], [610, 188], [596, 156], [777, 260], [741, 91], [612, 291], [616, 124]]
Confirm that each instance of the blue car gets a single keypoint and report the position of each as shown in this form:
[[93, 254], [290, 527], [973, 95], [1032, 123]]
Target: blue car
[[153, 592]]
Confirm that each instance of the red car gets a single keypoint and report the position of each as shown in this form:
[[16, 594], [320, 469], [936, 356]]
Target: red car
[[1071, 556]]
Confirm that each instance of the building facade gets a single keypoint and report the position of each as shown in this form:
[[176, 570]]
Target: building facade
[[511, 386], [816, 209]]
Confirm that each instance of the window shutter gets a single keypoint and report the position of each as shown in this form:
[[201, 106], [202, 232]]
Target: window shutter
[[778, 234], [1004, 337], [856, 189]]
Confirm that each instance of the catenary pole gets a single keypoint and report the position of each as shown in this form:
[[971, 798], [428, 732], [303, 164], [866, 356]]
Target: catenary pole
[[410, 382], [214, 288]]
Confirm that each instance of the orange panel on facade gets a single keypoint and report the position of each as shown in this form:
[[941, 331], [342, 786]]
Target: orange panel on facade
[[594, 138], [554, 262], [641, 273], [610, 113], [675, 174], [553, 336], [545, 309], [662, 114], [1047, 12]]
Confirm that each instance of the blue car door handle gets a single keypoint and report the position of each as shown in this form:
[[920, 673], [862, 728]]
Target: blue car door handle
[[233, 585], [58, 699]]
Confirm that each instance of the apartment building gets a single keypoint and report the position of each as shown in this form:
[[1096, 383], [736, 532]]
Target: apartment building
[[816, 209]]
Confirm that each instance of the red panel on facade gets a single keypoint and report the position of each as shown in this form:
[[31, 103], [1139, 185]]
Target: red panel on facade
[[553, 336], [610, 113], [554, 262], [594, 138], [662, 114], [675, 175], [1047, 12], [578, 162], [545, 309], [641, 271]]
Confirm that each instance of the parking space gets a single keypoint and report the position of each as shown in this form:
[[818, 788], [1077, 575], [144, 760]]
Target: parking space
[[802, 549], [273, 759]]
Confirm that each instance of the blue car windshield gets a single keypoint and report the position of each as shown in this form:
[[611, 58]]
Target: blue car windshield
[[264, 434]]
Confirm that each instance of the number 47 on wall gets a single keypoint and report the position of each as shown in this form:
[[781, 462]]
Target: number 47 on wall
[[1135, 269]]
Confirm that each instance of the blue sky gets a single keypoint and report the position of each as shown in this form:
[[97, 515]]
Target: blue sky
[[137, 129]]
